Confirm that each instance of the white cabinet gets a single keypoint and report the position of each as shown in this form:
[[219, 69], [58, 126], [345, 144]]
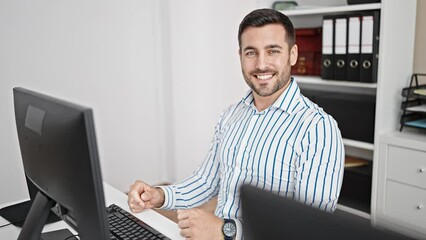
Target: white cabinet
[[400, 184]]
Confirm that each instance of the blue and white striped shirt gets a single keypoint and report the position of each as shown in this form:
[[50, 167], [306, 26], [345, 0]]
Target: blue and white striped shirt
[[292, 148]]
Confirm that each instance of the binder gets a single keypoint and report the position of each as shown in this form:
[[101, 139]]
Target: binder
[[369, 46], [354, 48], [327, 62], [340, 47]]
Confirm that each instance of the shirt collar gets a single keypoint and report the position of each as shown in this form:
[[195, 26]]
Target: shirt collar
[[287, 101]]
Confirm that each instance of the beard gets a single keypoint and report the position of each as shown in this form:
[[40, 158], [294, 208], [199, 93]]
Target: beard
[[268, 89]]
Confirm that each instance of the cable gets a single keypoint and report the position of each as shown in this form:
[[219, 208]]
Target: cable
[[7, 224]]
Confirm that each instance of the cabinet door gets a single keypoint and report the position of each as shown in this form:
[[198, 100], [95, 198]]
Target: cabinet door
[[407, 166], [406, 203]]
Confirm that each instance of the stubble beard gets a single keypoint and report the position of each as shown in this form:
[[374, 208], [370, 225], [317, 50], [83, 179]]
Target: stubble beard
[[265, 90]]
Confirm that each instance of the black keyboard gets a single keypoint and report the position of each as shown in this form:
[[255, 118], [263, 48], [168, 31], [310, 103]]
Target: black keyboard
[[124, 225]]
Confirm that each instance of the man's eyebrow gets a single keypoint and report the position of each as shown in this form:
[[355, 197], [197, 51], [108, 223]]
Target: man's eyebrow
[[266, 47], [273, 46], [249, 48]]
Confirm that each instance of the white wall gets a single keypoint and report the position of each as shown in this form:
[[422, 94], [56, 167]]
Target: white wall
[[420, 46], [206, 75], [103, 54]]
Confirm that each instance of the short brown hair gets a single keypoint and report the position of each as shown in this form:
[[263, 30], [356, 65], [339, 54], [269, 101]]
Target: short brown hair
[[261, 17]]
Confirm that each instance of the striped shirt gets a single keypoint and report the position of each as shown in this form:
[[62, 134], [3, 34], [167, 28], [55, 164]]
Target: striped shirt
[[293, 148]]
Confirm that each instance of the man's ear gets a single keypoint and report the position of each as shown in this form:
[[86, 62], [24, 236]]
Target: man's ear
[[293, 55]]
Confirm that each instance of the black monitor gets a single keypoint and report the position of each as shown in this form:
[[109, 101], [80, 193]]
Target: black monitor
[[267, 215], [59, 153]]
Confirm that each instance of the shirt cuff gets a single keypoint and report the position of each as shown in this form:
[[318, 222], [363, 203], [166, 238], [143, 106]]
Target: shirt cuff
[[169, 199], [239, 226]]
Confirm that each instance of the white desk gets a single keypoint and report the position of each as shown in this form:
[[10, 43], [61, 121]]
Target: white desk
[[112, 195]]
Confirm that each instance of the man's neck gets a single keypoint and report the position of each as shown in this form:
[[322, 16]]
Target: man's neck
[[262, 103]]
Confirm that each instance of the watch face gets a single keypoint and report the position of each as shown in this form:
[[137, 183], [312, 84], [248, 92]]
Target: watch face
[[229, 229]]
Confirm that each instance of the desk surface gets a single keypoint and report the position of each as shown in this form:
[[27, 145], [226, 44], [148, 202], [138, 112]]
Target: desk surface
[[112, 195]]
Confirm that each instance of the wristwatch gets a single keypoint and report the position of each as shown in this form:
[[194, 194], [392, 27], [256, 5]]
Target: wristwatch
[[229, 229]]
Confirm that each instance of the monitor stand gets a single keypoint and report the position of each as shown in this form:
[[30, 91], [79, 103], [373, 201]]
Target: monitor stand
[[58, 234], [16, 214]]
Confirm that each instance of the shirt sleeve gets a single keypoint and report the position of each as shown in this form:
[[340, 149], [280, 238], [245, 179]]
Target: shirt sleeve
[[320, 172], [202, 185]]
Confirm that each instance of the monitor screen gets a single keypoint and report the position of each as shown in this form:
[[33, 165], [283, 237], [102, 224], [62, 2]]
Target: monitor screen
[[267, 215], [59, 153]]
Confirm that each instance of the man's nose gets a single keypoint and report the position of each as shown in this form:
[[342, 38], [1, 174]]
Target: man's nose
[[261, 62]]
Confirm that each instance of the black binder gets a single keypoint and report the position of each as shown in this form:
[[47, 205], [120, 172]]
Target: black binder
[[369, 46], [354, 47], [340, 47], [327, 62]]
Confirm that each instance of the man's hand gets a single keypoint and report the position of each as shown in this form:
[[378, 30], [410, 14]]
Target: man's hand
[[142, 196], [199, 224]]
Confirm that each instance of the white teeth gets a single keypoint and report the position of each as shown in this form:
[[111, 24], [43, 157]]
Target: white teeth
[[264, 77]]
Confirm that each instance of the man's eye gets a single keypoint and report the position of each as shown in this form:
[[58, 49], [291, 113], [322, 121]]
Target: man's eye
[[274, 51], [250, 53]]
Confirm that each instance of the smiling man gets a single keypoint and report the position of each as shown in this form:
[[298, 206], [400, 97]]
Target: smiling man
[[274, 138]]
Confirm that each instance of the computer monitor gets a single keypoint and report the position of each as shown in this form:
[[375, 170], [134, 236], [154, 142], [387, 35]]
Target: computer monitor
[[59, 153], [267, 215]]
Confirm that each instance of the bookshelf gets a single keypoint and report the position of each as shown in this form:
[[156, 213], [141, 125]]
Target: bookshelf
[[396, 51], [306, 11], [319, 81]]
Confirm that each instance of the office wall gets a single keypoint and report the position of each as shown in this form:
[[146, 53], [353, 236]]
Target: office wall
[[104, 54], [420, 46], [206, 75]]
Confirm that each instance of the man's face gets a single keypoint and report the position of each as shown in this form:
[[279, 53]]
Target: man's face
[[266, 59]]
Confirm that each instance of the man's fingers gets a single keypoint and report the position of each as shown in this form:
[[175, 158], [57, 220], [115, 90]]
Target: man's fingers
[[182, 214], [184, 224], [179, 215], [186, 233], [146, 196], [135, 208], [135, 201]]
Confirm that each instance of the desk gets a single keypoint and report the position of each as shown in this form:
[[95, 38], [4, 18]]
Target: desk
[[112, 195]]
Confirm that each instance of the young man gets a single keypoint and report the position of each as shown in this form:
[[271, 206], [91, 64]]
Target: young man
[[274, 138]]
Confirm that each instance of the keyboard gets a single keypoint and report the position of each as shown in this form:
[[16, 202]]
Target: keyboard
[[124, 226]]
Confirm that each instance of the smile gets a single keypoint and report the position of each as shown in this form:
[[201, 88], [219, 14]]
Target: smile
[[264, 76]]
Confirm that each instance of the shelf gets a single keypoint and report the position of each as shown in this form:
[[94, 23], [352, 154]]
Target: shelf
[[358, 144], [353, 211], [334, 9], [420, 123], [419, 108], [319, 81]]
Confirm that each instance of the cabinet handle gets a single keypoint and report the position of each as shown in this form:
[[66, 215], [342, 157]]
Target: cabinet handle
[[419, 206]]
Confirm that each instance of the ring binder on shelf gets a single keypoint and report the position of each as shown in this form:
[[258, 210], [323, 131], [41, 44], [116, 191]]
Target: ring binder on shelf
[[340, 47], [369, 47], [327, 64], [354, 47]]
